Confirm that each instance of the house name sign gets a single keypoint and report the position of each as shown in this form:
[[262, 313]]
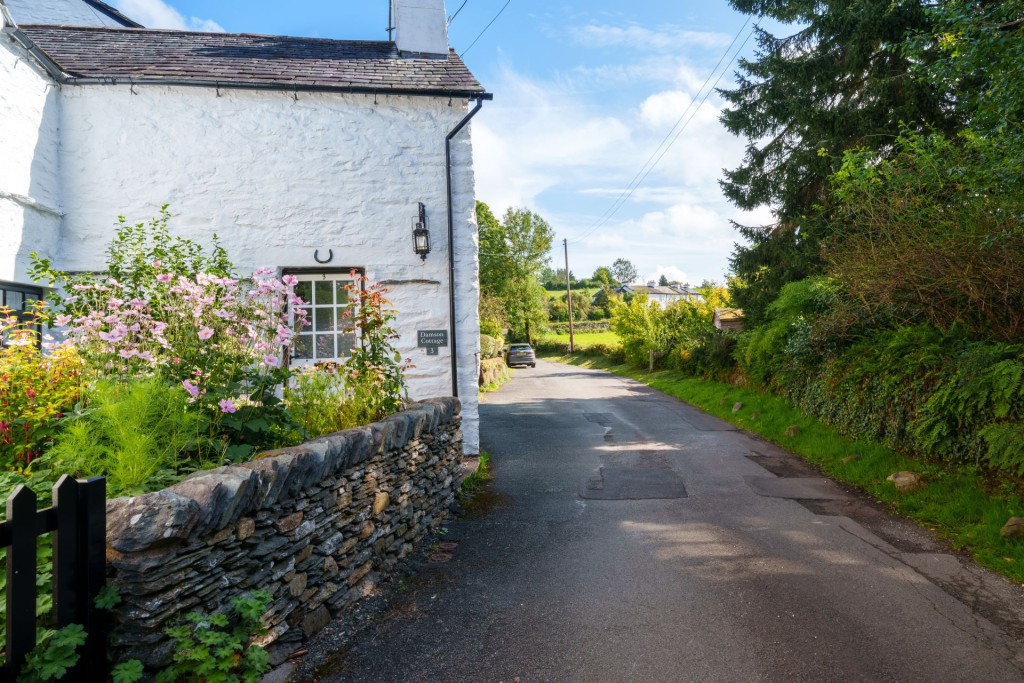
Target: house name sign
[[431, 340]]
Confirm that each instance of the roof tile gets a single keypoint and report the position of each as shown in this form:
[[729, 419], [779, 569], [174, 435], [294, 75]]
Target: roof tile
[[248, 60]]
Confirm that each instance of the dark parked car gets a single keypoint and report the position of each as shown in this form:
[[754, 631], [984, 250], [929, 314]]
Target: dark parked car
[[521, 354]]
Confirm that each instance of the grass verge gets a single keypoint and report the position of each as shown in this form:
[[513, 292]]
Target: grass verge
[[472, 484], [963, 504]]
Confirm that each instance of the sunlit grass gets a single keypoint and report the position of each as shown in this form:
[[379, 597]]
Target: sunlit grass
[[958, 501], [583, 340]]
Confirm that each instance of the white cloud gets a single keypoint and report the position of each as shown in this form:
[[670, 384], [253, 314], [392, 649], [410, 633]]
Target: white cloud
[[662, 39], [535, 137], [671, 273], [158, 14], [571, 145]]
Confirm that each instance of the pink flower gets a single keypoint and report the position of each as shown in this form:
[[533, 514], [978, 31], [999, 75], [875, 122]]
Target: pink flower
[[127, 353], [192, 389], [205, 333], [163, 277], [146, 356], [227, 406], [290, 280], [270, 360], [62, 320], [157, 264]]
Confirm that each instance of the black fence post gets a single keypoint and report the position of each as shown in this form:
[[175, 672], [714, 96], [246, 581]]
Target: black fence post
[[78, 520], [66, 598], [21, 576], [92, 544]]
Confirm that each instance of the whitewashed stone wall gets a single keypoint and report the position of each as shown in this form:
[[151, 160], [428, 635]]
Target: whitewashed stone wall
[[276, 176], [30, 206], [62, 12]]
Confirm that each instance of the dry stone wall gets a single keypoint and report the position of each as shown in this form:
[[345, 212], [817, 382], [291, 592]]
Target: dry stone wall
[[316, 525]]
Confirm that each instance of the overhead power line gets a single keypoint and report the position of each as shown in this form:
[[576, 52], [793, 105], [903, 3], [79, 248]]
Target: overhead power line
[[673, 134], [452, 17], [485, 28]]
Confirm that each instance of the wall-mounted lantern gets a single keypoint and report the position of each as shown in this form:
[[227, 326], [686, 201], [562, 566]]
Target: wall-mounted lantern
[[420, 234]]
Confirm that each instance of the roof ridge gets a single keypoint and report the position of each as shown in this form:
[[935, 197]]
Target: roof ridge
[[168, 31]]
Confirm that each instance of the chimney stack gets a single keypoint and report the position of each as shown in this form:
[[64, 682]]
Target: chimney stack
[[421, 28]]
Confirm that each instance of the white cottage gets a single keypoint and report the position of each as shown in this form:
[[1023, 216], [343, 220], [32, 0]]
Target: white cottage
[[313, 156]]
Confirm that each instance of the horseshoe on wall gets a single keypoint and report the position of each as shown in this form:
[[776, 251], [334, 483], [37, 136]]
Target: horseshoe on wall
[[330, 256]]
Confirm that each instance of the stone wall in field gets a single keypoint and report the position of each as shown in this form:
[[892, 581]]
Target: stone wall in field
[[317, 525]]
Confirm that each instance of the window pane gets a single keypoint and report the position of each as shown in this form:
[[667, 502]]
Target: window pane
[[323, 292], [346, 342], [342, 292], [323, 319], [325, 346], [303, 346], [15, 300], [304, 290]]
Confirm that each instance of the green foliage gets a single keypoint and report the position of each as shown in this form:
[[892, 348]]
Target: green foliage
[[841, 78], [374, 371], [513, 254], [935, 242], [127, 672], [581, 327], [216, 648], [623, 271], [36, 388], [976, 406], [490, 347], [138, 435], [764, 352], [55, 652], [641, 327], [472, 484]]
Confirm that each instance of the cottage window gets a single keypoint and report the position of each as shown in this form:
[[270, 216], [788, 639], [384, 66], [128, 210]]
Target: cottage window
[[331, 334], [20, 299]]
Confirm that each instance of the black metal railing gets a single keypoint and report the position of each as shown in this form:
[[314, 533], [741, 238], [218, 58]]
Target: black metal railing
[[77, 520]]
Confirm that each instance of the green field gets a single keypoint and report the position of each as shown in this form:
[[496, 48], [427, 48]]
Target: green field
[[584, 340]]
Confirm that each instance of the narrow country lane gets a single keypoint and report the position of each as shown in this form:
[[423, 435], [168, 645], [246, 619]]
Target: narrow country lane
[[637, 539]]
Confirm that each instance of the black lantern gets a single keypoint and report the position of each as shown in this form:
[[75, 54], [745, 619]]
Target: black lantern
[[420, 234]]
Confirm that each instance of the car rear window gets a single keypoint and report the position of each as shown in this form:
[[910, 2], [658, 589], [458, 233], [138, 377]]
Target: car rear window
[[520, 347]]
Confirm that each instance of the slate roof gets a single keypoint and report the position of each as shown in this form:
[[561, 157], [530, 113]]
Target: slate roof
[[245, 60]]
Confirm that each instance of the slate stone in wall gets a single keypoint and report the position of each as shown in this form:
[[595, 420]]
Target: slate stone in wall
[[315, 525]]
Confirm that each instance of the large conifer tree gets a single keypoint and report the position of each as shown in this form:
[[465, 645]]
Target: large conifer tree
[[840, 80]]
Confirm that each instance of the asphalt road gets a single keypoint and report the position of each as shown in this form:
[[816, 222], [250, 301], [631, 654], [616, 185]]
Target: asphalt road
[[634, 538]]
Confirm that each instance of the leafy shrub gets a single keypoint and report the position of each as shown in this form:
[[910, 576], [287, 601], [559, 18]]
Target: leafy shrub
[[217, 647], [36, 389], [138, 434], [785, 340], [937, 239], [490, 347], [582, 326], [641, 327], [374, 373], [166, 308], [320, 401]]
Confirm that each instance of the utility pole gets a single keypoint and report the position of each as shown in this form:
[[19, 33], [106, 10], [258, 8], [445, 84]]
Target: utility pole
[[568, 294]]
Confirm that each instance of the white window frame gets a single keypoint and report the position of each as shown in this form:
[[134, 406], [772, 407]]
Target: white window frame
[[325, 319]]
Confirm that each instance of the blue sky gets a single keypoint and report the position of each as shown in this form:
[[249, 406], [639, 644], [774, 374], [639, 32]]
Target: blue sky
[[585, 91]]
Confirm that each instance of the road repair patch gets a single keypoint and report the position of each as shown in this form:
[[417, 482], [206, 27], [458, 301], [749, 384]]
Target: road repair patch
[[634, 483], [805, 488]]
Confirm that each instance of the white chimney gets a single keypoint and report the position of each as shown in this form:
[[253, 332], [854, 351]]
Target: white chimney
[[421, 27]]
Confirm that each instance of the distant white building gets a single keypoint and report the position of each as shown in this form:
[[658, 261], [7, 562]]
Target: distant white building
[[313, 156], [663, 295]]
